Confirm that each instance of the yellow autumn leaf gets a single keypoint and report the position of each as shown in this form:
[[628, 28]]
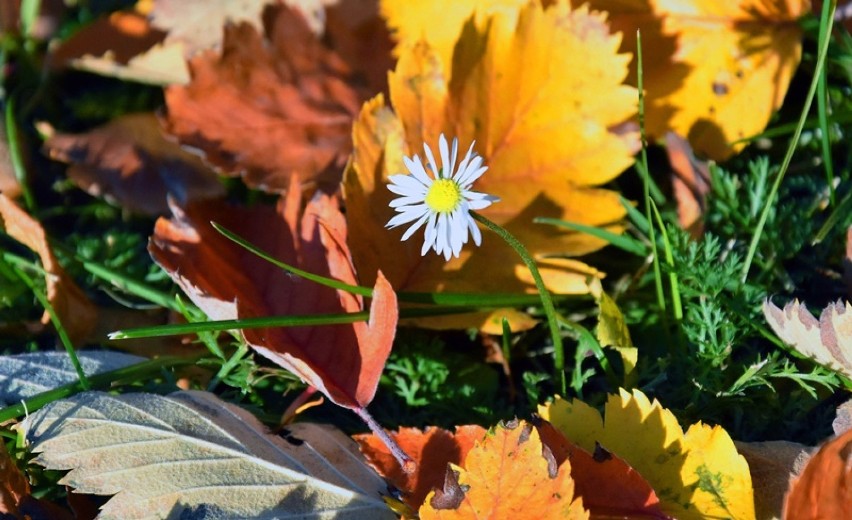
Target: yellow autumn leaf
[[714, 71], [540, 92], [439, 21], [697, 475], [612, 332], [506, 475]]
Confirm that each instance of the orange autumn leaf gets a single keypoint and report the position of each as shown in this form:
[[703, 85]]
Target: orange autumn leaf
[[73, 308], [696, 474], [608, 486], [520, 88], [432, 450], [270, 105], [227, 282], [130, 163], [714, 71], [824, 488], [506, 475]]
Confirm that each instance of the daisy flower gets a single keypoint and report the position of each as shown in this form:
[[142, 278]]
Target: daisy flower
[[443, 200]]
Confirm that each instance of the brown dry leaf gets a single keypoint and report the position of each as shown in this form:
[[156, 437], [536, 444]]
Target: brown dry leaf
[[432, 450], [130, 163], [359, 34], [13, 485], [197, 24], [269, 106], [824, 489], [226, 281], [506, 475], [125, 46], [772, 464], [74, 310], [828, 341], [690, 183], [714, 71], [521, 89]]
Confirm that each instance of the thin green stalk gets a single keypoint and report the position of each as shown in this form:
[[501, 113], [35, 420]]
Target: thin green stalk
[[826, 20], [445, 299], [228, 366], [103, 380], [677, 306], [822, 113], [546, 299], [57, 323], [178, 329], [15, 153]]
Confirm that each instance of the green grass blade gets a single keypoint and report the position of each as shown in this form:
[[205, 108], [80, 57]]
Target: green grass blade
[[623, 242], [827, 21]]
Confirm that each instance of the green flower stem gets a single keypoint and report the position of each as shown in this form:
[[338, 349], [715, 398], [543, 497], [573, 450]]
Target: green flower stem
[[546, 298]]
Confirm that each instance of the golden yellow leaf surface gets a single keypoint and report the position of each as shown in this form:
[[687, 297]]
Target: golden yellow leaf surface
[[540, 92], [697, 475], [506, 476], [714, 71], [612, 331]]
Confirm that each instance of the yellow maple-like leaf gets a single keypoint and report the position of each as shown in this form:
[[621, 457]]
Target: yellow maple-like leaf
[[697, 475], [506, 476], [714, 71], [540, 92]]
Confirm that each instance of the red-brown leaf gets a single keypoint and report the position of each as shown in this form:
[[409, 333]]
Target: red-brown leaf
[[130, 162], [75, 311], [609, 487], [226, 281], [269, 105], [431, 450]]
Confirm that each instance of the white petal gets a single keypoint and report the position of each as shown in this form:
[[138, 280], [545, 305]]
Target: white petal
[[404, 201], [411, 214], [445, 157], [458, 233], [455, 152], [414, 227], [415, 166], [435, 170], [443, 231], [474, 171], [429, 239], [410, 182], [474, 231], [476, 205], [465, 161]]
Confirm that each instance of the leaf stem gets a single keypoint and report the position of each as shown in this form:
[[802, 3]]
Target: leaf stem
[[546, 299], [407, 463]]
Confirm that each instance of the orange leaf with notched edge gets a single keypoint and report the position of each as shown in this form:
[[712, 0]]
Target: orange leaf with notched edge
[[74, 310], [507, 474], [343, 361], [824, 489], [431, 450], [521, 88], [129, 162], [270, 105]]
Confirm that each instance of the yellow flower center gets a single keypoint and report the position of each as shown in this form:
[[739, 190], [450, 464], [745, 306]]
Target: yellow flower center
[[444, 196]]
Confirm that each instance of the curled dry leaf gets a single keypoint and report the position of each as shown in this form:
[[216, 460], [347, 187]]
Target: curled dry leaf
[[824, 489], [191, 455], [696, 475], [270, 105], [714, 72], [130, 163], [432, 450], [227, 282], [74, 310], [828, 341], [520, 88], [507, 474]]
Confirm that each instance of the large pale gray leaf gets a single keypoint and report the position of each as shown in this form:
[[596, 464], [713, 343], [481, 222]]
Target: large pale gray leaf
[[25, 375], [192, 456]]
